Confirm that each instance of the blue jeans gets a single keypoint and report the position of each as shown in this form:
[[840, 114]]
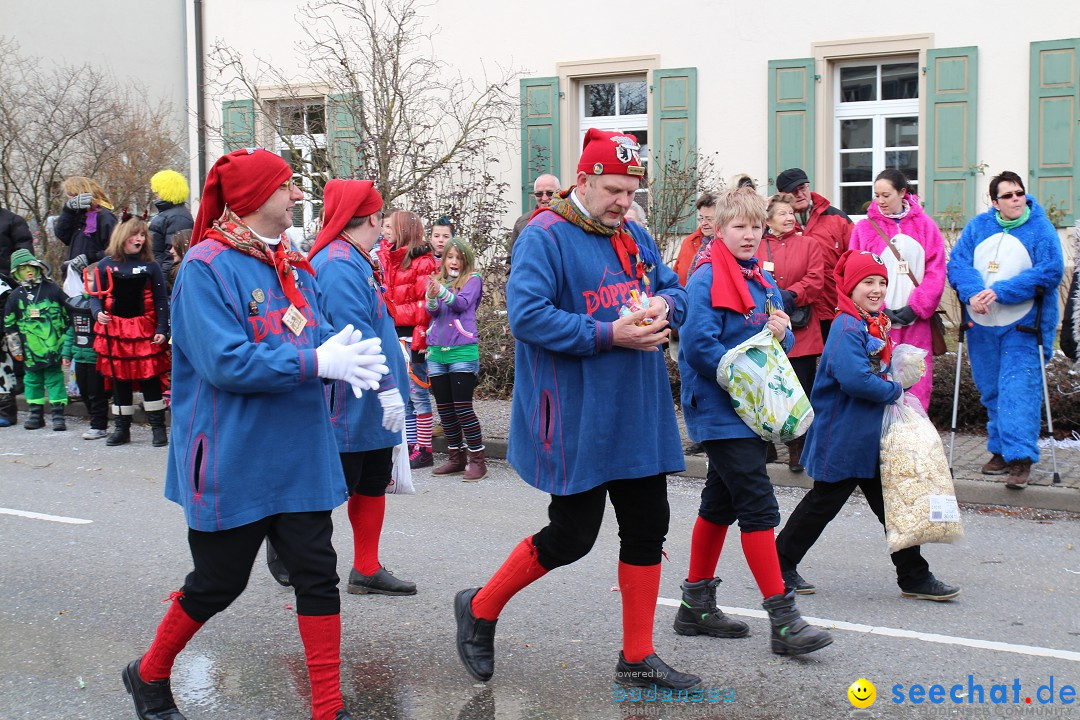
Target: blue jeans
[[419, 397], [465, 366]]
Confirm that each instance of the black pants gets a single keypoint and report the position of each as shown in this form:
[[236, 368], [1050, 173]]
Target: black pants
[[825, 326], [641, 507], [92, 389], [369, 472], [737, 485], [122, 391], [819, 506], [223, 562], [805, 368]]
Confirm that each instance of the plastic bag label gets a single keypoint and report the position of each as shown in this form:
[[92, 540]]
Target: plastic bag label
[[943, 508]]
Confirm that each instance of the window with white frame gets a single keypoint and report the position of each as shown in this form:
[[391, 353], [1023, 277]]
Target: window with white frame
[[301, 142], [876, 126], [617, 104]]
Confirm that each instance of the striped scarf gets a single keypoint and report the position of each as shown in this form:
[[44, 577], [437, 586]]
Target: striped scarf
[[282, 258]]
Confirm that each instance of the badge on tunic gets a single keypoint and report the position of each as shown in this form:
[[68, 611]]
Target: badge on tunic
[[902, 268], [767, 266], [258, 295], [294, 320], [35, 313], [253, 308], [993, 266]]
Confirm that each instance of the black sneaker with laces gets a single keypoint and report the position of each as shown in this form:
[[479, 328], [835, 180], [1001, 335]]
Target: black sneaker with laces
[[931, 589], [653, 671], [795, 581], [382, 582], [421, 458]]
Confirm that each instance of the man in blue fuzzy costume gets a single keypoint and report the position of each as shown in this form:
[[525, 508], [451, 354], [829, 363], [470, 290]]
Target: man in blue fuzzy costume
[[592, 415], [1006, 261]]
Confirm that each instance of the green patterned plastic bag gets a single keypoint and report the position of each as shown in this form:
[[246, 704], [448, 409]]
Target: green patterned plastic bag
[[764, 390]]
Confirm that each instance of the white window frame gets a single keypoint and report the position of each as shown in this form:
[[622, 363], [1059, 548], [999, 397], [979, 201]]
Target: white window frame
[[305, 144], [878, 111], [617, 123]]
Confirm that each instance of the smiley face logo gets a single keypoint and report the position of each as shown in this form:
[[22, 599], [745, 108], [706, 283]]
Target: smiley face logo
[[862, 693]]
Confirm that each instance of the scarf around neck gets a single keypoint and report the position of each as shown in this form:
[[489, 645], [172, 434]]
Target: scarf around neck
[[233, 233], [898, 216], [1008, 225], [626, 248], [877, 325], [730, 281]]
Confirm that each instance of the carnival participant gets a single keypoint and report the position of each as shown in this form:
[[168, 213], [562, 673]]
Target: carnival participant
[[730, 299], [250, 347], [367, 428], [85, 223], [172, 215], [909, 242], [130, 306], [1005, 266], [696, 243], [844, 442], [592, 411]]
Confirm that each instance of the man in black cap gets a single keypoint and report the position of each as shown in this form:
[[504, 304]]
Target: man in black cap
[[829, 225]]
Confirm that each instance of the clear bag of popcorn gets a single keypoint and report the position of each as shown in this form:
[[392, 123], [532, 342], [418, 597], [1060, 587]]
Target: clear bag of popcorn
[[920, 502]]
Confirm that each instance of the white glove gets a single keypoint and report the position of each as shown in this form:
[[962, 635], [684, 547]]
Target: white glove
[[393, 410], [358, 362]]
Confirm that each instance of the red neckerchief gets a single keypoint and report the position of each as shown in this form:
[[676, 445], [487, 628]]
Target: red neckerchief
[[878, 325], [229, 231], [729, 288]]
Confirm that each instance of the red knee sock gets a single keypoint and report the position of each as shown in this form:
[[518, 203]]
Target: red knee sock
[[640, 585], [321, 635], [174, 632], [519, 570], [366, 517], [759, 547], [705, 546]]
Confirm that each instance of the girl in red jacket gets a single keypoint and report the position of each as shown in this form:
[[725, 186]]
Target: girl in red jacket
[[407, 264]]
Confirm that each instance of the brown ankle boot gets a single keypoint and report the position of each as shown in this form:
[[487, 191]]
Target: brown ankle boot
[[455, 463], [794, 462], [477, 467], [1019, 471], [996, 465]]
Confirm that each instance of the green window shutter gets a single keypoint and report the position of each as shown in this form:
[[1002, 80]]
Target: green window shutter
[[673, 144], [342, 135], [792, 87], [948, 186], [1054, 129], [238, 124], [539, 133]]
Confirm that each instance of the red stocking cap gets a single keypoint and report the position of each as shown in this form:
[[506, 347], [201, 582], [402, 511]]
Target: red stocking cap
[[729, 289], [610, 153], [342, 201], [851, 269], [242, 180]]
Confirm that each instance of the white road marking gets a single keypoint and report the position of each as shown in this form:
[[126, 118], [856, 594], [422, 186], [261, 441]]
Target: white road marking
[[909, 634], [42, 516]]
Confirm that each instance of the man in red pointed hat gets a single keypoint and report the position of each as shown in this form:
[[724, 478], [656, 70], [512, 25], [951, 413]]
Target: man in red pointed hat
[[250, 351], [592, 413]]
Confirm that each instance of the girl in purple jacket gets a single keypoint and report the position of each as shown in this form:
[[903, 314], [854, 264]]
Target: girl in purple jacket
[[453, 358]]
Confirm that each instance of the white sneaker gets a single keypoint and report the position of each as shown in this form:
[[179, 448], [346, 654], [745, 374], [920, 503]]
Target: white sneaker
[[94, 434]]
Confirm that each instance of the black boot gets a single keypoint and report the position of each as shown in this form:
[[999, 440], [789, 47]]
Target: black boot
[[153, 700], [121, 435], [36, 419], [698, 614], [58, 421], [156, 418], [791, 635], [475, 637]]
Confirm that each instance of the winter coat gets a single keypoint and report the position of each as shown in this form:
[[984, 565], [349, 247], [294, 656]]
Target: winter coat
[[586, 412], [70, 229], [705, 336], [38, 314], [170, 219], [352, 296], [251, 435], [687, 251], [919, 241], [453, 321], [831, 227], [1070, 325], [799, 268], [849, 400], [1029, 257], [406, 290], [14, 235]]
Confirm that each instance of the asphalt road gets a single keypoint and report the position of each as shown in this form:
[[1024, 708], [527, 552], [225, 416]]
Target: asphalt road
[[81, 600]]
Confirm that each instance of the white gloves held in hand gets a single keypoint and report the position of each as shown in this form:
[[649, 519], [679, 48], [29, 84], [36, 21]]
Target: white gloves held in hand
[[393, 410], [358, 362]]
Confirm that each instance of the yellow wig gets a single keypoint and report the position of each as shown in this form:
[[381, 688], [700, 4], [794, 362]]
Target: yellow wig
[[170, 186]]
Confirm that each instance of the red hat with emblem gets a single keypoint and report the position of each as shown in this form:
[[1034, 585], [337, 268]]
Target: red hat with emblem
[[610, 153], [241, 180]]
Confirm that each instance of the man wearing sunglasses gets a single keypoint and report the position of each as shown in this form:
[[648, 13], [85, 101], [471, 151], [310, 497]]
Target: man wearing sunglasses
[[1006, 264], [544, 190]]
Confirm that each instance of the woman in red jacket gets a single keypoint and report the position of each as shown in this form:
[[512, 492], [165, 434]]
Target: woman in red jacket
[[407, 264], [796, 263]]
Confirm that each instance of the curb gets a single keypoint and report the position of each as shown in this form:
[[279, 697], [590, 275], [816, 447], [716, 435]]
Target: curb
[[968, 492]]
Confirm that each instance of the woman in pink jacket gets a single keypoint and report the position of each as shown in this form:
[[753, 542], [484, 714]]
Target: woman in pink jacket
[[910, 243]]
